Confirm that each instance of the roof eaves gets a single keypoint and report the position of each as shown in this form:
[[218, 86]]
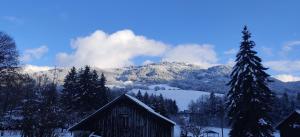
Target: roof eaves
[[86, 118]]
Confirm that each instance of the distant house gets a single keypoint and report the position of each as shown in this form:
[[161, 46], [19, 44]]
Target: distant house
[[290, 127], [125, 116]]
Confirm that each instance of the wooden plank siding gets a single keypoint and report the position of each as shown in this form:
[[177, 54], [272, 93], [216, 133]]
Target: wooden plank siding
[[290, 126], [125, 118]]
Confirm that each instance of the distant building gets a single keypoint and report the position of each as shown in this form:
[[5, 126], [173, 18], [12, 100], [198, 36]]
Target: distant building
[[125, 116], [290, 127]]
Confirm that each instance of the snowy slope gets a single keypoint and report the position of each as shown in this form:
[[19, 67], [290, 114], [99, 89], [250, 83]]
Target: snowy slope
[[182, 97], [182, 75]]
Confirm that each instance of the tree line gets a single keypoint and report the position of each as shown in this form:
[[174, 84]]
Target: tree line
[[83, 92], [36, 106], [166, 107], [210, 111], [251, 108]]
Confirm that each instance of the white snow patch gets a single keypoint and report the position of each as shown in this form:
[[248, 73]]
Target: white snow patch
[[182, 97]]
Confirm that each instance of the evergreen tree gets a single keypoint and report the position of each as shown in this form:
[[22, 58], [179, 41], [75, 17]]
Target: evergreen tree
[[92, 91], [249, 96], [139, 96], [104, 90], [298, 100], [70, 87], [286, 106], [146, 98], [160, 105], [86, 90], [212, 108]]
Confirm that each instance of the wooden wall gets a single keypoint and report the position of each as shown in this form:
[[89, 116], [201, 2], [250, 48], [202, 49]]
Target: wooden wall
[[126, 119]]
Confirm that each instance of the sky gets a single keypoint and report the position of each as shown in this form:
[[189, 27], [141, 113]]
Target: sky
[[110, 34]]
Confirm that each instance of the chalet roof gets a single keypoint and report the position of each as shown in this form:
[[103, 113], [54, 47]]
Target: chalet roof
[[297, 112], [210, 132], [131, 98]]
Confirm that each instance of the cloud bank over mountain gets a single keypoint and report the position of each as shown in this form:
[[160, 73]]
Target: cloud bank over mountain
[[119, 49], [123, 48]]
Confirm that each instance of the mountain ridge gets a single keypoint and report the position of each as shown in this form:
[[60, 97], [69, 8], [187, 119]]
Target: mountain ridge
[[181, 75]]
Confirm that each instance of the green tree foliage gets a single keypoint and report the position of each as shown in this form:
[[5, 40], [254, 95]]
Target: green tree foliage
[[165, 107], [249, 97], [83, 92]]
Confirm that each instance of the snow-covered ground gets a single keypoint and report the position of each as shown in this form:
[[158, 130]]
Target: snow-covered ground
[[176, 132], [17, 134], [182, 97], [216, 129]]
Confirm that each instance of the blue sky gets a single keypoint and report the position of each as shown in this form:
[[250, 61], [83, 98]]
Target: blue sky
[[205, 32]]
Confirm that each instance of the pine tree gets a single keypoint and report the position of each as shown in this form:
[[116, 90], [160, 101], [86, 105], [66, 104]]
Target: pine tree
[[104, 90], [212, 104], [160, 105], [249, 96], [139, 96], [146, 98], [286, 106], [298, 100], [70, 86]]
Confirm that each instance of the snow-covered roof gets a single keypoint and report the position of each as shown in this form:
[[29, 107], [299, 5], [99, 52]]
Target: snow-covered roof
[[138, 102], [297, 111], [149, 109]]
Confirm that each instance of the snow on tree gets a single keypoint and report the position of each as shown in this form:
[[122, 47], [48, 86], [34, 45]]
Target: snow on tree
[[249, 97]]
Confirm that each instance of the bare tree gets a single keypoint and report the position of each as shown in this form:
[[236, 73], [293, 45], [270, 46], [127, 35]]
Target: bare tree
[[8, 70], [8, 54], [196, 129]]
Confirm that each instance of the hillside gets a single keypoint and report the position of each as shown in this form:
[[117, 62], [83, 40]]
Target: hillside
[[181, 75]]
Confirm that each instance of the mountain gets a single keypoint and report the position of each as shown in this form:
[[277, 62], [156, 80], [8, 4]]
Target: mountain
[[181, 75]]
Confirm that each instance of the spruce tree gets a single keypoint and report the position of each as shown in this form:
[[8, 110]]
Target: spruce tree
[[286, 105], [139, 96], [146, 98], [70, 87], [85, 89], [298, 101], [250, 98], [104, 90]]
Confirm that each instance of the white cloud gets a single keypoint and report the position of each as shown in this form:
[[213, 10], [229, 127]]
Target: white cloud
[[32, 68], [232, 51], [284, 65], [289, 45], [287, 78], [203, 55], [35, 53], [110, 50], [286, 48]]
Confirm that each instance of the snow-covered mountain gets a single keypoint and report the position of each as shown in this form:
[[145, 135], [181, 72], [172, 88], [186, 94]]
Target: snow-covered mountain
[[181, 75]]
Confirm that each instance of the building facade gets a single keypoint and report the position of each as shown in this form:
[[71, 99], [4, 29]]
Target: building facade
[[125, 116]]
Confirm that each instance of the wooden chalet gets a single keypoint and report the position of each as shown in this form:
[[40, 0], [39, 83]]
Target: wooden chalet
[[125, 116], [290, 127]]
